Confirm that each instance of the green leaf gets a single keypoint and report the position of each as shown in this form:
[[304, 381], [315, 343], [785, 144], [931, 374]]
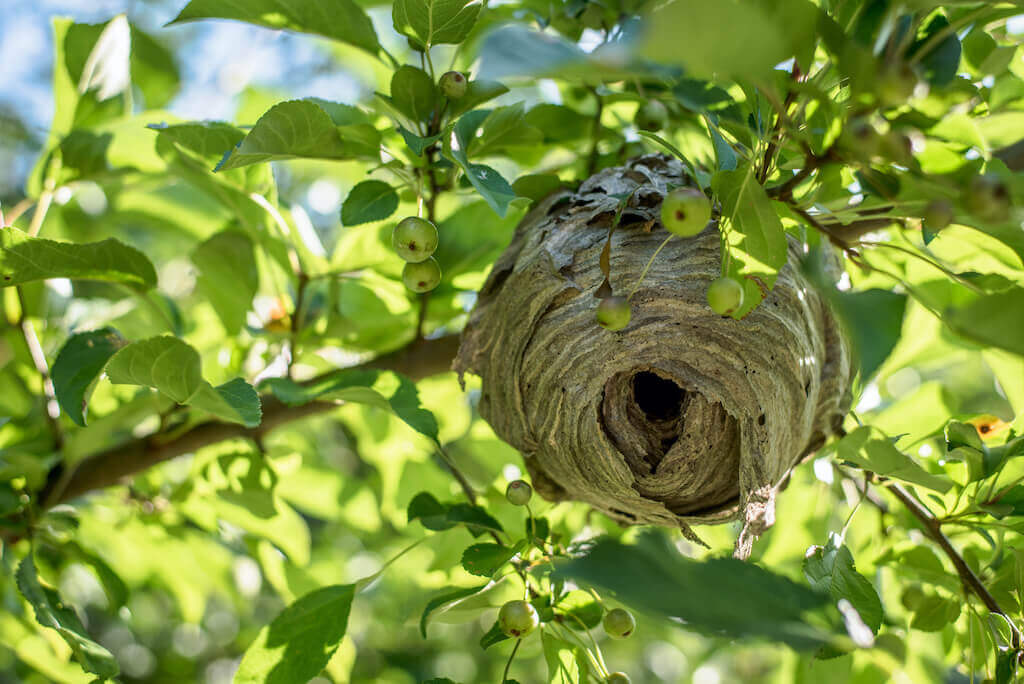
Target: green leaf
[[437, 516], [537, 186], [341, 20], [757, 243], [992, 319], [236, 401], [446, 600], [581, 610], [486, 559], [873, 320], [369, 201], [238, 487], [413, 93], [830, 569], [746, 205], [429, 511], [154, 70], [882, 457], [173, 368], [516, 50], [24, 259], [435, 22], [477, 92], [52, 612], [563, 660], [415, 142], [297, 645], [492, 636], [164, 363], [209, 139], [504, 127], [228, 276], [729, 38], [488, 182], [78, 364], [721, 596], [383, 389], [934, 613], [302, 129], [942, 61]]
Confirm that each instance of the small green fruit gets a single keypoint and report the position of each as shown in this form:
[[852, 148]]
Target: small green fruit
[[988, 198], [423, 276], [453, 84], [414, 239], [860, 140], [725, 295], [517, 619], [937, 215], [896, 147], [896, 84], [619, 623], [613, 313], [913, 596], [618, 678], [685, 212], [651, 116], [518, 493]]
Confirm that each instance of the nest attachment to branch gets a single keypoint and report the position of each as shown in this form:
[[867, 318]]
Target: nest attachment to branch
[[683, 417]]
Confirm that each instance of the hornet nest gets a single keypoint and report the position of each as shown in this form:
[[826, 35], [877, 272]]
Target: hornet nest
[[684, 417]]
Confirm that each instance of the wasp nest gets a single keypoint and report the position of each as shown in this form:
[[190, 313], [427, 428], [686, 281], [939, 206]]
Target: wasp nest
[[684, 417]]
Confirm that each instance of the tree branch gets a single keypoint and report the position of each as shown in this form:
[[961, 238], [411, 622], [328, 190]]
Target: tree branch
[[419, 360], [933, 528]]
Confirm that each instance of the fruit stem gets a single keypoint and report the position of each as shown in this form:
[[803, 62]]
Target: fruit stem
[[643, 274], [508, 665]]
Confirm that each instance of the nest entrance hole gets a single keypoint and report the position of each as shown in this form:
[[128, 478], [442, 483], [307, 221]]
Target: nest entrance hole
[[660, 399]]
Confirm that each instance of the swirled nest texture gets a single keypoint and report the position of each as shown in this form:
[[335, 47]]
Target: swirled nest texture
[[683, 417]]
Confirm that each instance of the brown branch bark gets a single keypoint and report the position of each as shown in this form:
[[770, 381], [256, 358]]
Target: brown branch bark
[[933, 528], [1012, 156], [419, 360]]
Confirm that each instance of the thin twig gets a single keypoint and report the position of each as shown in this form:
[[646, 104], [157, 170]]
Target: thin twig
[[933, 528], [16, 211], [776, 135], [296, 323]]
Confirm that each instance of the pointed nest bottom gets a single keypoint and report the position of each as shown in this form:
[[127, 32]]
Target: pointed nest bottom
[[684, 417]]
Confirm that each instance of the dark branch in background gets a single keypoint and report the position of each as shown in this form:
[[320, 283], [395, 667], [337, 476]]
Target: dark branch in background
[[419, 360], [1012, 156], [933, 528], [596, 134], [296, 323]]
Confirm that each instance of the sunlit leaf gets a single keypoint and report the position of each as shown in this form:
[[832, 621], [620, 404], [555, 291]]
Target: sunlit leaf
[[78, 365], [341, 20], [52, 612], [300, 641], [24, 259]]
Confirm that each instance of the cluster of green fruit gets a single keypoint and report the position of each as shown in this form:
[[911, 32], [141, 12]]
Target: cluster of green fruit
[[415, 240], [684, 212], [518, 618]]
